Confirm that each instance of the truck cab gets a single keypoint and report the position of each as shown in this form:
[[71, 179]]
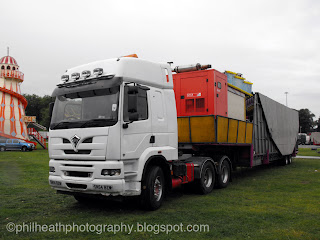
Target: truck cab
[[111, 121]]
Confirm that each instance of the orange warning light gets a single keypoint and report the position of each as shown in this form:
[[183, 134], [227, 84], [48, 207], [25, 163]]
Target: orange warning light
[[132, 55]]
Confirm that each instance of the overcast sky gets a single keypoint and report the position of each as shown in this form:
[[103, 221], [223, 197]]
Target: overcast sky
[[274, 43]]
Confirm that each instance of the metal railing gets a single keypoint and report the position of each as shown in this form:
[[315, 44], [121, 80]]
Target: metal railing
[[12, 74], [34, 133]]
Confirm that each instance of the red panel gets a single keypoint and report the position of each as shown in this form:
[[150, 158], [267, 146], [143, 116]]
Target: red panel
[[222, 93], [201, 93], [190, 172], [176, 182]]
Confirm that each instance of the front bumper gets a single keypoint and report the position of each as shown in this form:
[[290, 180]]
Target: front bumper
[[95, 186], [88, 179]]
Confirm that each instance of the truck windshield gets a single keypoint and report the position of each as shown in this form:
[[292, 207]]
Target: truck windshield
[[94, 108]]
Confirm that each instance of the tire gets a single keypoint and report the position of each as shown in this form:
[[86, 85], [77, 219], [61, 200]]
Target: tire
[[2, 149], [289, 159], [223, 178], [284, 161], [24, 149], [154, 184], [207, 178]]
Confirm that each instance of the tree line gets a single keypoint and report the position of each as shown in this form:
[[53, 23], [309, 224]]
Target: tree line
[[307, 124], [39, 106]]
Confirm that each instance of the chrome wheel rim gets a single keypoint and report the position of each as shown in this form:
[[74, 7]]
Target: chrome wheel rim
[[157, 189], [224, 174], [208, 176]]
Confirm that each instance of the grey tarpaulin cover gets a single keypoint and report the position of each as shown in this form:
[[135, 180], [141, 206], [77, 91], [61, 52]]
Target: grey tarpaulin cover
[[282, 122]]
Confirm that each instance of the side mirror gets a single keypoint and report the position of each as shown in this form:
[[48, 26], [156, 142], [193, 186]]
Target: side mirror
[[51, 105]]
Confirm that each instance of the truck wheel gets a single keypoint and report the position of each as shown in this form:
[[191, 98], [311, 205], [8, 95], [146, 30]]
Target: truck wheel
[[207, 178], [224, 176], [289, 159], [284, 161], [23, 149], [152, 195], [2, 149]]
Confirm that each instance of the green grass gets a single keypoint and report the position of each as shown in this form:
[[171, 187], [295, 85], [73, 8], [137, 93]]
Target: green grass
[[269, 202], [308, 152]]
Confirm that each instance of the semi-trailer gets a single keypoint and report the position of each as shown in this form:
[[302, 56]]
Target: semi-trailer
[[131, 127], [315, 138]]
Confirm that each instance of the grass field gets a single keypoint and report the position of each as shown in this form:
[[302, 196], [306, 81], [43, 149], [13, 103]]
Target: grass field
[[269, 202], [308, 152]]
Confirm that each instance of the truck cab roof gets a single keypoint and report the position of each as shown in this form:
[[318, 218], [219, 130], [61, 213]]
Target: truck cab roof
[[130, 69]]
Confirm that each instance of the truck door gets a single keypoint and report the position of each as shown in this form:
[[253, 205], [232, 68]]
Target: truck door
[[221, 96], [194, 95], [136, 135], [159, 119]]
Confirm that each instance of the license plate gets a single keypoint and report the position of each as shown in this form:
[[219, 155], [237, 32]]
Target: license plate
[[102, 187]]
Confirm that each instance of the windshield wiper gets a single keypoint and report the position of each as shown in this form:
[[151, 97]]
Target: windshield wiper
[[60, 124], [97, 120]]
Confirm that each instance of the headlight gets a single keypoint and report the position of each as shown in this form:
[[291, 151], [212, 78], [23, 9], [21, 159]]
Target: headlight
[[75, 76], [65, 78], [98, 71], [86, 74], [111, 172]]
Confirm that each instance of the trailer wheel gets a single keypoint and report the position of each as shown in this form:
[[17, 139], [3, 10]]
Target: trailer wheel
[[284, 161], [225, 172], [289, 159], [207, 178], [154, 184]]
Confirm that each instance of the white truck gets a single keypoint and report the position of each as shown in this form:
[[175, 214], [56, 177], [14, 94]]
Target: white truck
[[114, 132]]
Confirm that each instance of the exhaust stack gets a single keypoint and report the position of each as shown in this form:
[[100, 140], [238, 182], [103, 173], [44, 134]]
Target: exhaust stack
[[190, 68]]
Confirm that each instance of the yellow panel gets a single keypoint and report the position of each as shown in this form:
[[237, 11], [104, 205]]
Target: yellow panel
[[202, 129], [183, 130], [241, 132], [245, 107], [231, 72], [249, 133], [239, 89], [240, 77], [233, 130], [222, 128]]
